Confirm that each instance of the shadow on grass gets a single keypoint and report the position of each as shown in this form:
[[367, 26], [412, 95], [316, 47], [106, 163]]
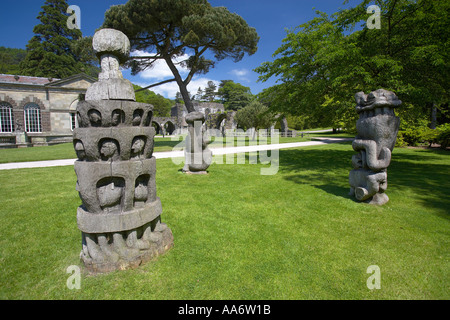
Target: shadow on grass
[[421, 171], [166, 144]]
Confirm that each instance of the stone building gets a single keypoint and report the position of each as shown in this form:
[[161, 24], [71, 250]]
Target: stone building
[[39, 111]]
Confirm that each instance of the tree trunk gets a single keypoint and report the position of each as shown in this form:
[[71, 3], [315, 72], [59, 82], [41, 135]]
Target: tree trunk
[[181, 84], [433, 116]]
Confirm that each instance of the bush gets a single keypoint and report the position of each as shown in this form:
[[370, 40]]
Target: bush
[[420, 135], [443, 136]]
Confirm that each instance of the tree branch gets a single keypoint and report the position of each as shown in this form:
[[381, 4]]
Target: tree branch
[[155, 84], [146, 57]]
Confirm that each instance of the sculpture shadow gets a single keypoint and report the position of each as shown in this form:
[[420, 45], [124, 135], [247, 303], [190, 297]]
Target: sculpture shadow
[[421, 172], [167, 144], [323, 169]]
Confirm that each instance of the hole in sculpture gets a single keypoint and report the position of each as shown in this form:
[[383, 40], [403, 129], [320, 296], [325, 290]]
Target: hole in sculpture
[[141, 190], [137, 117], [117, 117], [110, 193], [149, 118]]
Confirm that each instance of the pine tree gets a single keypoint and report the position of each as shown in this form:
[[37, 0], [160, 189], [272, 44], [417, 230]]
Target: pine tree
[[174, 28], [210, 91], [50, 52]]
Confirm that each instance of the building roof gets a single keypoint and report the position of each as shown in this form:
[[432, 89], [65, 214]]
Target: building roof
[[10, 78], [42, 81]]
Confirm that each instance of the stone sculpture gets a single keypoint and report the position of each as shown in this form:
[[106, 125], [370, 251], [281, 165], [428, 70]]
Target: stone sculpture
[[377, 129], [198, 156], [120, 213]]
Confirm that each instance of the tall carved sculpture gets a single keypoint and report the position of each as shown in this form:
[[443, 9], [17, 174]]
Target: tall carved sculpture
[[198, 156], [377, 129], [120, 215]]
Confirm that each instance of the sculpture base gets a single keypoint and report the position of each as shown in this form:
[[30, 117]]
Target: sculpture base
[[196, 172], [378, 199], [125, 255]]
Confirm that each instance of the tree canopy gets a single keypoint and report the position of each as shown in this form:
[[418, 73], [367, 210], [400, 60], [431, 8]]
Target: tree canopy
[[234, 96], [161, 105], [324, 62], [254, 115], [55, 50], [169, 29], [10, 59]]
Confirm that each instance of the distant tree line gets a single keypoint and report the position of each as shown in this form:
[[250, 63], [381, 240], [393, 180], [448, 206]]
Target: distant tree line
[[10, 59]]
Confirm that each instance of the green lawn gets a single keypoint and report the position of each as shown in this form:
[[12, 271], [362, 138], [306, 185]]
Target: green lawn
[[241, 235], [66, 151]]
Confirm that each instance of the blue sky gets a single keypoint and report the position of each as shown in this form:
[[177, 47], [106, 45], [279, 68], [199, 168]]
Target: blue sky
[[270, 18]]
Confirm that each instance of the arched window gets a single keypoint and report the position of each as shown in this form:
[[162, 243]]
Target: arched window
[[32, 115], [6, 117], [73, 114]]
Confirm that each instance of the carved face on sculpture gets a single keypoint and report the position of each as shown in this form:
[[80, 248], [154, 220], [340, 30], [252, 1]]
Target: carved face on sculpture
[[110, 192], [79, 150], [117, 117], [109, 150], [138, 145], [95, 118], [137, 117]]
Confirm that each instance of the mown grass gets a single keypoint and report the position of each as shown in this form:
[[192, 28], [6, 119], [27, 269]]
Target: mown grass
[[241, 235], [66, 150]]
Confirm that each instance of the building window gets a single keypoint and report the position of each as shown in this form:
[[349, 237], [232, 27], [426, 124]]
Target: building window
[[73, 120], [32, 115], [6, 117]]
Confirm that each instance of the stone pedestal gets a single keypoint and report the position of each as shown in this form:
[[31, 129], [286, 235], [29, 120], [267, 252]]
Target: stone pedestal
[[120, 215], [377, 129], [21, 139]]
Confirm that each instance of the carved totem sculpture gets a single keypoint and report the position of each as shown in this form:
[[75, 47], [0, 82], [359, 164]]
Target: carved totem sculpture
[[198, 156], [377, 129], [120, 213]]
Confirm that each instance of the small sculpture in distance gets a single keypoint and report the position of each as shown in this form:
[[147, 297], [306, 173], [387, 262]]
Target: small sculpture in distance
[[377, 129]]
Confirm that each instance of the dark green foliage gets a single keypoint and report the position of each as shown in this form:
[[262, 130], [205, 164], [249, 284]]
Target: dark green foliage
[[324, 62], [254, 115], [234, 95], [161, 105], [54, 51], [423, 135], [443, 136], [171, 28], [210, 92], [10, 59]]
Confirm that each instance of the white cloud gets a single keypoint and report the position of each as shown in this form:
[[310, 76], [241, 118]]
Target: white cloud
[[160, 71], [169, 90], [241, 74]]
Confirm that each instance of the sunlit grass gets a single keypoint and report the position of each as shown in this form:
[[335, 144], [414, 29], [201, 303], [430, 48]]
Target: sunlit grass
[[241, 235]]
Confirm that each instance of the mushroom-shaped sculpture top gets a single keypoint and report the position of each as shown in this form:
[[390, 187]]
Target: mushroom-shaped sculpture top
[[191, 117], [111, 41]]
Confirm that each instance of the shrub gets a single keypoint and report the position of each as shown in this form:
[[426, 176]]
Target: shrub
[[443, 135], [420, 135]]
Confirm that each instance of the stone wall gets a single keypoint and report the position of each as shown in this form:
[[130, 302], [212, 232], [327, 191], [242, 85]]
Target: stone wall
[[56, 100]]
